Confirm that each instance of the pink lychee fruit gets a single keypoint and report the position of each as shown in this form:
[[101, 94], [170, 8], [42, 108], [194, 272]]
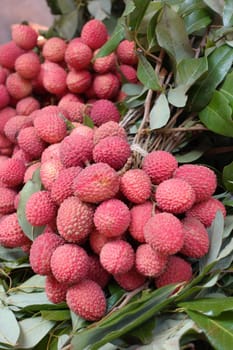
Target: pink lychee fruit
[[13, 126], [126, 52], [54, 78], [51, 152], [96, 271], [78, 55], [78, 81], [104, 64], [74, 110], [30, 142], [9, 52], [104, 111], [129, 73], [49, 172], [136, 185], [24, 36], [28, 65], [17, 86], [149, 262], [106, 86], [55, 291], [94, 34], [12, 172], [30, 171], [27, 105], [4, 96], [6, 114], [130, 280], [140, 214], [7, 197], [11, 234], [110, 128], [97, 240], [54, 49]]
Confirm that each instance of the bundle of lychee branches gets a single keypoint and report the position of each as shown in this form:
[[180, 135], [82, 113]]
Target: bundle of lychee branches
[[116, 180]]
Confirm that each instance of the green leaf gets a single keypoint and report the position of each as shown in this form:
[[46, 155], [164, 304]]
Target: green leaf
[[32, 284], [217, 116], [11, 254], [88, 121], [228, 225], [160, 113], [54, 8], [188, 6], [219, 63], [218, 330], [177, 96], [189, 70], [227, 176], [135, 18], [228, 13], [226, 88], [66, 6], [67, 24], [215, 5], [144, 333], [9, 328], [29, 188], [99, 9], [146, 74], [209, 306], [62, 341], [23, 300], [55, 315], [129, 8], [172, 36], [197, 20], [190, 156], [33, 330], [132, 89]]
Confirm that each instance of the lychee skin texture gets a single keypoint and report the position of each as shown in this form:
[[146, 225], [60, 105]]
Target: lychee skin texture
[[4, 96], [14, 125], [75, 110], [126, 52], [136, 185], [12, 172], [50, 125], [40, 209], [140, 214], [11, 234], [74, 220], [129, 73], [196, 239], [175, 196], [178, 270], [27, 105], [104, 64], [9, 52], [62, 187], [96, 183], [41, 251], [6, 114], [87, 300], [69, 263], [54, 49], [94, 34], [110, 128], [30, 142], [117, 257], [7, 197], [78, 55], [164, 232], [54, 78], [30, 171], [96, 272], [17, 86], [149, 262], [28, 65], [112, 217], [202, 179], [97, 240], [106, 86], [206, 211], [55, 291], [24, 36], [104, 111], [130, 280], [113, 150], [75, 150], [51, 152], [49, 171], [78, 81], [159, 165]]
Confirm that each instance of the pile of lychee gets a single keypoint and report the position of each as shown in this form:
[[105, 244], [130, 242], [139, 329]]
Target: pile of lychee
[[102, 220]]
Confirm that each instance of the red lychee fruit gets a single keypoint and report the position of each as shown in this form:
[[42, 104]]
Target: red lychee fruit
[[6, 114], [202, 179], [104, 111], [12, 172], [69, 97], [69, 263], [75, 220], [74, 110], [110, 128], [55, 291], [126, 52], [196, 239], [140, 214], [78, 81], [97, 240], [104, 64], [175, 196], [87, 300], [177, 270], [117, 257], [83, 130], [62, 187], [205, 211], [49, 172], [4, 96], [41, 251], [130, 280], [50, 124], [11, 234], [136, 185], [96, 183], [17, 86], [164, 232], [30, 142], [129, 73], [3, 74], [27, 105], [28, 65], [7, 197], [30, 171], [112, 217], [113, 150], [76, 150], [106, 86], [94, 34], [78, 55], [159, 165], [13, 126], [149, 262], [40, 208], [9, 52], [54, 49], [96, 272], [24, 36], [54, 78], [51, 152]]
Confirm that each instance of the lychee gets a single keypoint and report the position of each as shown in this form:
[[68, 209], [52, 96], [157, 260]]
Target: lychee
[[164, 232], [126, 52], [205, 211], [13, 126], [78, 81], [30, 171], [40, 208], [117, 257], [75, 110], [7, 197], [106, 86], [97, 240], [177, 270], [140, 214], [4, 96], [78, 55], [30, 142], [87, 300], [28, 65], [54, 49], [51, 152], [9, 52], [24, 36], [17, 86], [27, 105], [6, 114], [75, 220], [129, 73], [55, 291], [175, 196], [149, 262], [94, 34], [159, 165], [130, 280], [96, 272], [3, 75], [49, 172], [110, 128], [113, 150], [69, 263], [104, 64], [136, 185], [41, 251], [202, 179], [11, 234], [54, 78], [12, 172], [104, 111]]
